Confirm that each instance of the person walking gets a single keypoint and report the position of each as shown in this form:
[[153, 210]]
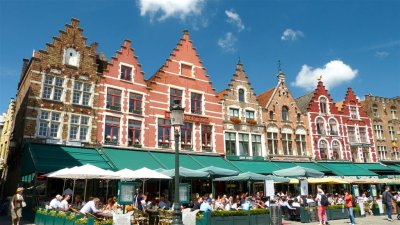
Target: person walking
[[323, 202], [348, 198], [17, 203], [387, 198]]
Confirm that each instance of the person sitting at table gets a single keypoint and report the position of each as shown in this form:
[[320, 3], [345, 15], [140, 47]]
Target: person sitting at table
[[55, 203], [197, 204], [64, 205], [247, 204], [162, 204], [110, 204], [296, 203], [91, 206], [206, 205]]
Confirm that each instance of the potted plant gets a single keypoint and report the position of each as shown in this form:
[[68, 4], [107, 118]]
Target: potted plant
[[235, 120], [259, 217], [238, 217], [336, 212], [60, 218], [251, 122]]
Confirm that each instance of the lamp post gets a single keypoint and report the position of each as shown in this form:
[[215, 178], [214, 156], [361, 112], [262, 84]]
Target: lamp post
[[176, 121]]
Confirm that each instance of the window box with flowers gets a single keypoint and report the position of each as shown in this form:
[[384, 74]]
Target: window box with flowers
[[251, 122], [137, 112], [114, 107], [163, 145], [207, 148], [187, 147], [109, 141], [235, 120]]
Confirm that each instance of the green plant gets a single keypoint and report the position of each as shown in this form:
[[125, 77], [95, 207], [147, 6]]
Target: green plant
[[251, 122], [356, 209], [52, 212], [71, 216], [338, 206], [42, 211], [259, 211], [81, 221], [103, 222], [199, 215], [229, 213], [235, 120]]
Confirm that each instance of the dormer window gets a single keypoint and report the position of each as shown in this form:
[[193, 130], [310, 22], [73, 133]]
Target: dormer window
[[126, 73], [353, 112], [241, 95], [71, 57], [322, 105]]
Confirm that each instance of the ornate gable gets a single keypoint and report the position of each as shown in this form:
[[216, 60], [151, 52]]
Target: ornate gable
[[320, 90], [69, 50], [351, 99]]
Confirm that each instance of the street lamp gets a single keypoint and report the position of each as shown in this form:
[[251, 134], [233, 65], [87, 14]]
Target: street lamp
[[176, 121]]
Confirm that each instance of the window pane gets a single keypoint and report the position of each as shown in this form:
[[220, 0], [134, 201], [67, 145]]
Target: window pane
[[44, 115], [76, 97], [77, 85], [55, 116], [54, 130], [57, 94], [73, 132], [59, 82]]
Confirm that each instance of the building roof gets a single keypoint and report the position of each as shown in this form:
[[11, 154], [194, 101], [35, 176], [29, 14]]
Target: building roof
[[264, 97], [221, 94], [339, 105], [303, 101]]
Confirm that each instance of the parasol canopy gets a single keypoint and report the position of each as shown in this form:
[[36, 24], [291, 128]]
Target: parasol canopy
[[247, 176], [298, 171], [218, 171], [185, 172]]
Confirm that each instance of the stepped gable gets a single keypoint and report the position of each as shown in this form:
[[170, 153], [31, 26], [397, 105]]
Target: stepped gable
[[125, 55], [184, 55], [351, 99], [304, 101], [321, 90], [239, 79]]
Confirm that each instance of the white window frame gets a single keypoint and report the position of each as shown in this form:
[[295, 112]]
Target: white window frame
[[79, 125], [82, 92], [53, 87], [49, 122], [133, 72], [354, 115], [233, 116], [186, 64]]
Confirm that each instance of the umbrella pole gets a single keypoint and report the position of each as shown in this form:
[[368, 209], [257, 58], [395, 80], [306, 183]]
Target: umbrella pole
[[64, 186], [84, 194], [159, 189], [107, 189], [73, 192]]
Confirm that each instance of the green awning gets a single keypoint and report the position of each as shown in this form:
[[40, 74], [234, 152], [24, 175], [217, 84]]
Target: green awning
[[376, 167], [167, 160], [133, 160], [255, 166], [48, 158], [347, 169], [217, 161], [315, 166], [284, 165]]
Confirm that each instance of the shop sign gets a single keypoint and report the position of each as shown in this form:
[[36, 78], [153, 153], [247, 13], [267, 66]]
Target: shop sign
[[191, 118], [126, 192], [244, 157]]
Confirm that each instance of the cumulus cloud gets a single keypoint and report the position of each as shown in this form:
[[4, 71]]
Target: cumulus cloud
[[333, 74], [381, 54], [170, 8], [227, 43], [234, 19], [291, 35]]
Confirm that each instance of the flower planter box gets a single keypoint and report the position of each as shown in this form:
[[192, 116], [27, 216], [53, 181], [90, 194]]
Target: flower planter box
[[304, 215], [59, 220], [49, 220], [261, 219], [39, 218], [337, 214]]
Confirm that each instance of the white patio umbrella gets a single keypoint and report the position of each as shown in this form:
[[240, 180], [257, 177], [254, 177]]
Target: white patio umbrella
[[144, 174]]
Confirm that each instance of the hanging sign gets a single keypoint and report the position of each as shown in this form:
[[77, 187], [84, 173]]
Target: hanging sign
[[373, 190], [356, 192], [126, 191], [269, 188], [303, 187]]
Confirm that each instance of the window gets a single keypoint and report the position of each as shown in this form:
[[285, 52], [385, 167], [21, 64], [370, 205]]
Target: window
[[351, 132], [363, 134], [114, 99], [333, 127], [71, 57], [382, 152], [392, 133], [186, 70], [186, 136], [241, 95], [82, 93], [49, 124], [126, 73], [335, 150], [393, 112], [134, 132], [244, 144], [287, 144], [234, 112], [301, 144], [298, 117], [272, 142], [249, 115], [206, 134], [323, 145], [175, 94], [378, 130], [230, 143], [322, 105], [285, 113], [375, 110], [353, 112], [79, 127], [256, 144], [164, 133], [111, 133], [196, 103], [271, 115], [320, 126], [135, 103], [52, 88]]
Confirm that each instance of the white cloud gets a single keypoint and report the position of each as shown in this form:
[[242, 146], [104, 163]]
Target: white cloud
[[381, 54], [170, 8], [291, 35], [234, 18], [333, 74], [227, 43]]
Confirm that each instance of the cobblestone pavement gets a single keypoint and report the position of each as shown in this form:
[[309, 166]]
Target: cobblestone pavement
[[369, 220]]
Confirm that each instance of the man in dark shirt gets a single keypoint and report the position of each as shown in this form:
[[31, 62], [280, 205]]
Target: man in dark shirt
[[137, 198], [387, 200], [197, 204]]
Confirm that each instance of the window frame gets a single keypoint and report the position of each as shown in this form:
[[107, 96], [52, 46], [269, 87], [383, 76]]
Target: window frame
[[333, 127], [53, 87], [320, 126], [287, 144], [49, 122], [336, 148], [196, 104], [256, 146], [241, 95], [112, 105], [229, 143], [79, 125], [133, 127], [325, 150], [233, 110], [82, 91], [272, 140], [250, 111], [244, 145], [323, 105], [165, 127], [112, 125], [123, 75], [186, 138], [135, 103], [173, 96], [301, 144], [285, 113], [206, 137]]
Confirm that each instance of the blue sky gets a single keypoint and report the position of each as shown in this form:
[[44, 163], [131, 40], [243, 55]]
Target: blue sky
[[352, 43]]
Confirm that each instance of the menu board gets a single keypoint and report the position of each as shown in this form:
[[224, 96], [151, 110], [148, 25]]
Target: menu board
[[303, 187], [126, 191]]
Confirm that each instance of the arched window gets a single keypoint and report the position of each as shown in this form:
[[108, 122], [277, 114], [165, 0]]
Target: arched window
[[322, 105], [320, 126], [375, 110], [71, 57], [323, 148], [241, 95], [393, 112], [271, 115], [285, 113], [333, 127], [335, 150]]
